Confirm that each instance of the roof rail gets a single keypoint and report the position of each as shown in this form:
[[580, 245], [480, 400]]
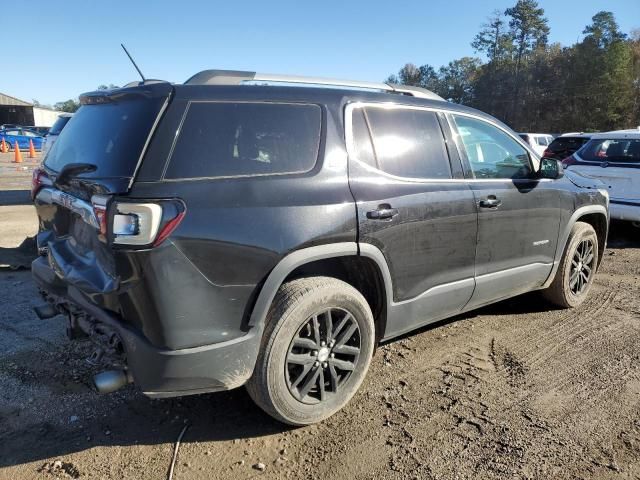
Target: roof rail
[[237, 77]]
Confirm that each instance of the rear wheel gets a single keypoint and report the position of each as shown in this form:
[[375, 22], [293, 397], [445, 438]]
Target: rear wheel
[[577, 268], [316, 350]]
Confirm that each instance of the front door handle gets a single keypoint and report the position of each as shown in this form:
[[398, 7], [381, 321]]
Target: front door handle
[[383, 212], [490, 202]]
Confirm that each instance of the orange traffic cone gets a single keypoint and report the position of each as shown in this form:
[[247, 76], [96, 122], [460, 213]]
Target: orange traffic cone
[[3, 147], [18, 157], [32, 150]]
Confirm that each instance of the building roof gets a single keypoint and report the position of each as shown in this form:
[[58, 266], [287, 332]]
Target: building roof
[[13, 101]]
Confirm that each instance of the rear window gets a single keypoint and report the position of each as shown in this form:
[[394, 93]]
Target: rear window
[[227, 139], [567, 143], [621, 151], [110, 136], [59, 125]]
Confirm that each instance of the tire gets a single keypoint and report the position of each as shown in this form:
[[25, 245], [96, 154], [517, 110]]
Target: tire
[[577, 268], [291, 368]]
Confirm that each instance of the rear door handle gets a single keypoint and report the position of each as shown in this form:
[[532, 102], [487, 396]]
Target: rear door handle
[[490, 202], [383, 212]]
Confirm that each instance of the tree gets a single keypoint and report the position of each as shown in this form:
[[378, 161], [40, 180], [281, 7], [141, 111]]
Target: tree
[[456, 80], [67, 106], [604, 30], [593, 85], [529, 30], [493, 40], [424, 76]]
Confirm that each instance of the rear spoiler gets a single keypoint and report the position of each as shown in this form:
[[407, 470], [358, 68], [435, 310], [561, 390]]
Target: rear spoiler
[[148, 89]]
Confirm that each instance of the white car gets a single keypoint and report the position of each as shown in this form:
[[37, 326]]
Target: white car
[[537, 141], [54, 131], [613, 158]]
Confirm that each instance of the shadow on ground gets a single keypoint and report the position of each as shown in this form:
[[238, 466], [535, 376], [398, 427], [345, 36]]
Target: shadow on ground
[[18, 257], [15, 197]]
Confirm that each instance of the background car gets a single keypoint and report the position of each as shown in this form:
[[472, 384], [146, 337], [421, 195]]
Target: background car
[[613, 158], [39, 130], [54, 131], [565, 145], [538, 141], [22, 136]]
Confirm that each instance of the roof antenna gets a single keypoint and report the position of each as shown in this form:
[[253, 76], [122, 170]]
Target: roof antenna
[[134, 63]]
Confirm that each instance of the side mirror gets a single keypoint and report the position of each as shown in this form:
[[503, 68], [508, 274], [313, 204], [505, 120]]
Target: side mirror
[[550, 168]]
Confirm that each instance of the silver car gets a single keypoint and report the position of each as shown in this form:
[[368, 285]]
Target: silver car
[[613, 158]]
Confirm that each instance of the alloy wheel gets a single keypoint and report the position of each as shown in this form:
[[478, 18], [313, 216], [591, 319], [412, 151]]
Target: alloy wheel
[[322, 355], [582, 265]]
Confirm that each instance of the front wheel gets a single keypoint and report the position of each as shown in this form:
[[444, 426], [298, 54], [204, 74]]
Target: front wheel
[[577, 268], [316, 350]]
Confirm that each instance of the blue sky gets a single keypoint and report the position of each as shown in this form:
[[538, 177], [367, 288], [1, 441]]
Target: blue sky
[[73, 46]]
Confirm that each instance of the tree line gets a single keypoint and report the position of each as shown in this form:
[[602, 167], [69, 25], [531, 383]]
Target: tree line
[[537, 86]]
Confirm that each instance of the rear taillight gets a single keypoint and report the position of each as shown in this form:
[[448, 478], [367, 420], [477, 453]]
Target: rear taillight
[[567, 162], [39, 179], [168, 229], [145, 224]]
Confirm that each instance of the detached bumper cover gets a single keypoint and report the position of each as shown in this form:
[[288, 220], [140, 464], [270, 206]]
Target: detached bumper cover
[[162, 372]]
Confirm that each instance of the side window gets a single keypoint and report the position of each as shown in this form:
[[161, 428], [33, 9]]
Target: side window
[[408, 143], [363, 149], [490, 151], [220, 139], [542, 141]]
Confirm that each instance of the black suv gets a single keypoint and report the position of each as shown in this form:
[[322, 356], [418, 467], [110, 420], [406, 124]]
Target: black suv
[[270, 231]]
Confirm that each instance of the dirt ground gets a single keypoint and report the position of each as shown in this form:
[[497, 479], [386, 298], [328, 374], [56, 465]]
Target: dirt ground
[[515, 390]]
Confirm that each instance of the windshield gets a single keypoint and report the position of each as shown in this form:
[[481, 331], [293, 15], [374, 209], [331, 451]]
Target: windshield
[[620, 150], [59, 125], [109, 135]]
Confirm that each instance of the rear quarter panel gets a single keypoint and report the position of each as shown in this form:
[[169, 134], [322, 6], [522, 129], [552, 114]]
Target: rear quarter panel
[[202, 282]]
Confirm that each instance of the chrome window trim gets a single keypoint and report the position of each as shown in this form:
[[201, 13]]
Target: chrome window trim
[[348, 127]]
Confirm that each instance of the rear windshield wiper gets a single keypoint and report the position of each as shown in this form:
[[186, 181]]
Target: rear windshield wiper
[[72, 169]]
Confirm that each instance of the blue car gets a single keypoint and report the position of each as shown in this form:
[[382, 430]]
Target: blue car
[[22, 136]]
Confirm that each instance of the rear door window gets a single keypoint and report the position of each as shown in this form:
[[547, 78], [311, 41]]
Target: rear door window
[[408, 143], [363, 149], [620, 151], [228, 139]]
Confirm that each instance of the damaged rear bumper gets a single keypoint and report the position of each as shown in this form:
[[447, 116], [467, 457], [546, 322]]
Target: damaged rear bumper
[[162, 372]]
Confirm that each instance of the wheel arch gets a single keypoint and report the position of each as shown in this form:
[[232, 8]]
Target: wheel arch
[[595, 215], [364, 268]]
